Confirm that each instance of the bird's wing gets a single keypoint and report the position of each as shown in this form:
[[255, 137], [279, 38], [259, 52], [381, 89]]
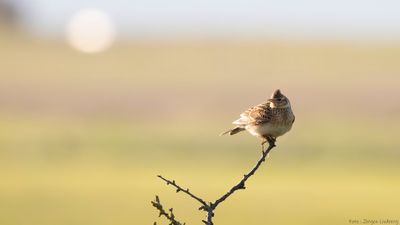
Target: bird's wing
[[255, 115]]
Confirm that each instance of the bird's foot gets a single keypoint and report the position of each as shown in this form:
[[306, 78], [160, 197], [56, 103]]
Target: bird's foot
[[271, 141]]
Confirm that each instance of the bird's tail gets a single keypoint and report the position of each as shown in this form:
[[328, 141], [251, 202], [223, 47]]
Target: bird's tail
[[233, 131]]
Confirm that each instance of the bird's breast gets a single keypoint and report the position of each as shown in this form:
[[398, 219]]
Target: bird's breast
[[269, 129]]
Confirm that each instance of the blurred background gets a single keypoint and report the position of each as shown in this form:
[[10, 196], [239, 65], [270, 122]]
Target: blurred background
[[99, 97]]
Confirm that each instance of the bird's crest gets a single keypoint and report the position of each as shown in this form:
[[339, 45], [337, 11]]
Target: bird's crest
[[277, 93]]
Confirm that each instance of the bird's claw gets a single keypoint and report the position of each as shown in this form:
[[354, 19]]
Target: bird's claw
[[271, 141]]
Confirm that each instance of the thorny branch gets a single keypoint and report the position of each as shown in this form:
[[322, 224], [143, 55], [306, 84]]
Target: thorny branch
[[171, 217], [211, 206], [186, 191], [241, 184]]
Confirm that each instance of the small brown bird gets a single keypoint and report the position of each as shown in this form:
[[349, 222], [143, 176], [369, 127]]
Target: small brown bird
[[267, 120]]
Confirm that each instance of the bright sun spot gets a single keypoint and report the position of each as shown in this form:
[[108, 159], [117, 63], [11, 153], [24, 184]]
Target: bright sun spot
[[90, 31]]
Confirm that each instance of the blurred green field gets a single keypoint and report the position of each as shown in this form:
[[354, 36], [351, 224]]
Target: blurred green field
[[83, 137]]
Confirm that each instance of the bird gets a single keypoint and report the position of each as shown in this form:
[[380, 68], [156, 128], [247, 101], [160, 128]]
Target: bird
[[268, 120]]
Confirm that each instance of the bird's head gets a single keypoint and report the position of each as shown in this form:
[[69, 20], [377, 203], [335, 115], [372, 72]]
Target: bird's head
[[278, 100]]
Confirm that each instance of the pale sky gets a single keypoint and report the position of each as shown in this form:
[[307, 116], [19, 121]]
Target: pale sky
[[343, 19]]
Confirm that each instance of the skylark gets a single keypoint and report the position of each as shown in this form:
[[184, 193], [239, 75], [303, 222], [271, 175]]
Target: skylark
[[267, 120]]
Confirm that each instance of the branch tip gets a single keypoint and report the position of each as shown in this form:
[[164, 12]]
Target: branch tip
[[171, 217]]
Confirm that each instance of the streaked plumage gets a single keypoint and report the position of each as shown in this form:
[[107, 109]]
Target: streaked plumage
[[267, 120]]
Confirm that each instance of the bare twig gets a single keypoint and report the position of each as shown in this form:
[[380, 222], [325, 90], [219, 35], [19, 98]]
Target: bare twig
[[210, 207], [186, 191], [171, 217]]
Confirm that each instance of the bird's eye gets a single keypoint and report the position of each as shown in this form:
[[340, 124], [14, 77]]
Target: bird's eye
[[279, 99]]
